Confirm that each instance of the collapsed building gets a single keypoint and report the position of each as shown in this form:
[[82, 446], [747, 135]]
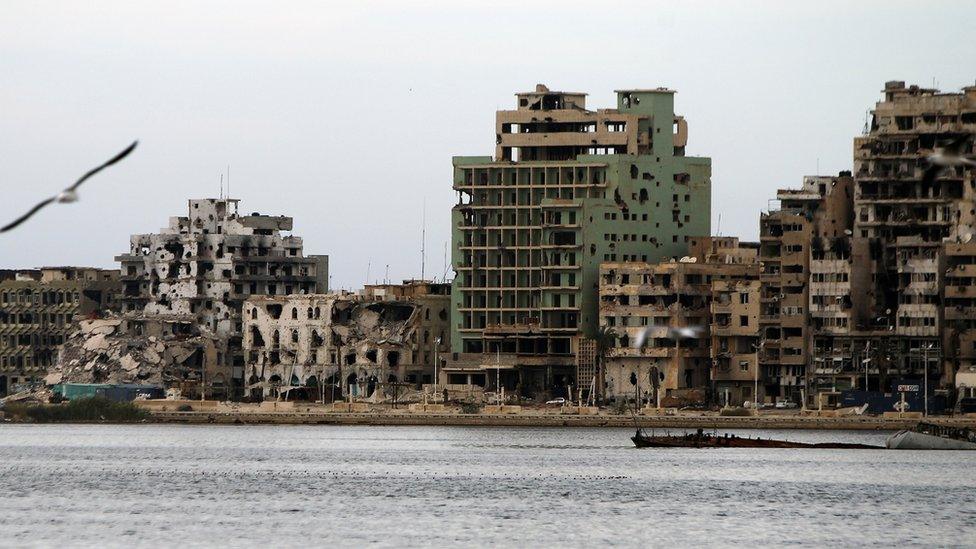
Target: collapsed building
[[332, 346], [155, 350], [205, 264], [37, 308], [567, 189], [697, 317]]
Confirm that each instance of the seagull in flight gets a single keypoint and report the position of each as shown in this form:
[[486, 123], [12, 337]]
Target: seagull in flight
[[945, 157], [70, 194], [683, 332]]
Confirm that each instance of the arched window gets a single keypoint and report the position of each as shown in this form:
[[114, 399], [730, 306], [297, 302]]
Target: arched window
[[294, 313]]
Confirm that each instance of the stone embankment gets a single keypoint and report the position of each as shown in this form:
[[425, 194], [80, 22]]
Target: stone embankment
[[319, 415]]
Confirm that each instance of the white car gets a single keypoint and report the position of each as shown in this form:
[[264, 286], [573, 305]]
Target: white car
[[785, 404], [560, 401]]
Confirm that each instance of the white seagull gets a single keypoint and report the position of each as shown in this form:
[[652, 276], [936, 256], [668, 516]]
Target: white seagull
[[70, 194], [947, 157]]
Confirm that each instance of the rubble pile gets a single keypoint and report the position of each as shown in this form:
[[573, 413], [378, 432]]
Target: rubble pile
[[372, 324], [110, 350]]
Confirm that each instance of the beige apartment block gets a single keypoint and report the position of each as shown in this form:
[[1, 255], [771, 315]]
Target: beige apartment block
[[671, 304], [807, 230]]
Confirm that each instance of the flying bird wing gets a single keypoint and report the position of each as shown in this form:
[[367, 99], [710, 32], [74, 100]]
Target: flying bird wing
[[641, 338], [27, 215], [954, 147], [108, 163]]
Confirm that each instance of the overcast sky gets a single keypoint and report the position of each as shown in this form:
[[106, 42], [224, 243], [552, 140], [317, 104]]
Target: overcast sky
[[346, 116]]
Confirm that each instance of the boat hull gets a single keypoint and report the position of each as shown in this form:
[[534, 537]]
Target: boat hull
[[911, 440], [701, 440]]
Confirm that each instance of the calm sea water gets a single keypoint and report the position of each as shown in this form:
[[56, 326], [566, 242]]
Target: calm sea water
[[171, 485]]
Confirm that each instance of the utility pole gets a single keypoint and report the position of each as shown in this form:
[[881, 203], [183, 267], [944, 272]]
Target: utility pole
[[925, 365]]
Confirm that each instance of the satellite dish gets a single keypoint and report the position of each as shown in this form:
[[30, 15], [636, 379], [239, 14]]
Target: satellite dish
[[848, 232], [966, 237]]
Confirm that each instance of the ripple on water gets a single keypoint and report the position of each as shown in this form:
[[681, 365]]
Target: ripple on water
[[397, 486]]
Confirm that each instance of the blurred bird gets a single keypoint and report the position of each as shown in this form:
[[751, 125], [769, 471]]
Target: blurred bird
[[684, 332], [947, 157], [70, 194]]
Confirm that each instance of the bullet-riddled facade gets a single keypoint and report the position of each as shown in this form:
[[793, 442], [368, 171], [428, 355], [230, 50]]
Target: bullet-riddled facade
[[795, 238], [697, 318], [204, 266], [567, 189], [336, 345]]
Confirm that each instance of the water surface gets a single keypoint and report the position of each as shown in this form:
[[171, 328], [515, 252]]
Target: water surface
[[155, 485]]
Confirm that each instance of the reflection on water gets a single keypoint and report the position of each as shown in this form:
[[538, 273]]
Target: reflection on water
[[396, 486]]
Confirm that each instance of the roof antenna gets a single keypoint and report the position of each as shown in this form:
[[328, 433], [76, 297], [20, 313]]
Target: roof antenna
[[444, 276], [221, 193], [423, 241], [228, 181], [718, 230]]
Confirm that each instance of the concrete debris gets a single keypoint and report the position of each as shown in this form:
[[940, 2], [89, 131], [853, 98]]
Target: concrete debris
[[137, 350], [381, 345]]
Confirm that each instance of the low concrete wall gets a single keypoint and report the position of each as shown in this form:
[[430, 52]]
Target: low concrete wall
[[554, 420], [174, 405], [350, 407], [431, 408], [502, 409]]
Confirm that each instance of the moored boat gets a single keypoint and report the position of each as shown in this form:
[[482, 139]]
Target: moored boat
[[929, 436], [701, 439]]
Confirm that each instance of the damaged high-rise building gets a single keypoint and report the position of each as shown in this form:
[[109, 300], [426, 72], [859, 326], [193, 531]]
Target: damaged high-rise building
[[330, 346], [567, 189], [808, 231], [205, 264], [865, 280]]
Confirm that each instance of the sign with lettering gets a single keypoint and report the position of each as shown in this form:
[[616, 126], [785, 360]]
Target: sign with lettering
[[908, 388]]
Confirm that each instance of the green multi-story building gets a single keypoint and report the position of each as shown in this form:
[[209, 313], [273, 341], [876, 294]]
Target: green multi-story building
[[568, 188]]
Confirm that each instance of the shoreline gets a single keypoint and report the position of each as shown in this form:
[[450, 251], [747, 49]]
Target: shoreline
[[550, 420]]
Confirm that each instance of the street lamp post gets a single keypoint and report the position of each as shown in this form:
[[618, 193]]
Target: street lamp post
[[437, 344], [925, 365], [755, 386]]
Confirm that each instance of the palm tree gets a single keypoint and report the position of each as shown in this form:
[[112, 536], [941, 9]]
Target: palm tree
[[605, 338]]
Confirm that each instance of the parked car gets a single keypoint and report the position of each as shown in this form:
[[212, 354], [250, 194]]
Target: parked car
[[786, 404], [557, 401]]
